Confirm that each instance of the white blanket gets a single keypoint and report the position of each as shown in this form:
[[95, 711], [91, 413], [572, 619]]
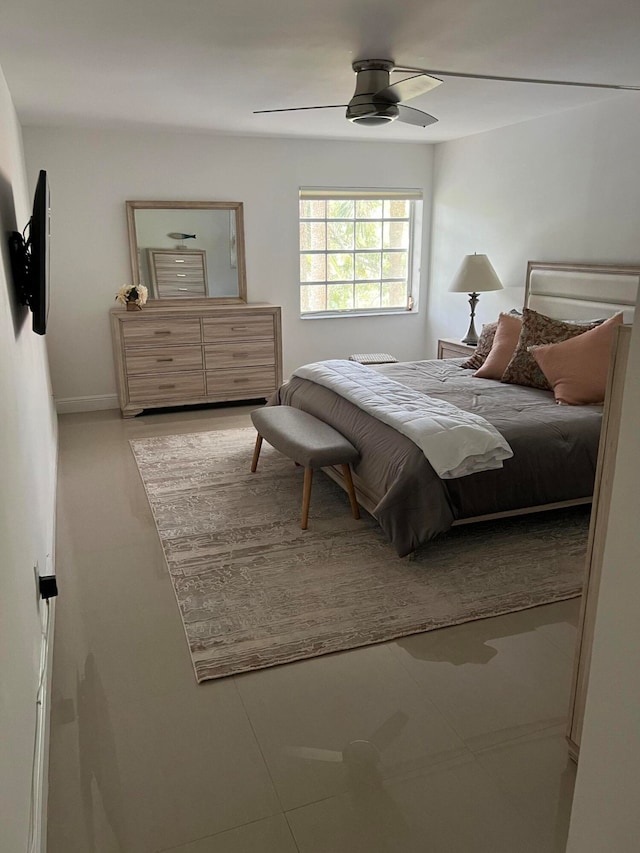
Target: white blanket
[[455, 442]]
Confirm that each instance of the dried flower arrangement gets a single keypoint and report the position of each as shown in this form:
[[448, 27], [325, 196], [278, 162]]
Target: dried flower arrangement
[[133, 296]]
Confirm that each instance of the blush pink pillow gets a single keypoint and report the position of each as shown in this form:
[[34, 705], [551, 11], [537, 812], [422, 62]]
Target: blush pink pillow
[[577, 369], [504, 344]]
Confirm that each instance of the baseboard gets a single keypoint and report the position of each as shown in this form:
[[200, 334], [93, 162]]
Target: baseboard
[[93, 403]]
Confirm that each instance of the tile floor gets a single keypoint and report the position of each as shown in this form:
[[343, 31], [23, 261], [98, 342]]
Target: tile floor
[[446, 742]]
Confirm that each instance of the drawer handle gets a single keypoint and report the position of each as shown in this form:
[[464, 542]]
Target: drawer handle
[[164, 359], [163, 387], [241, 355], [167, 332], [185, 289], [239, 328], [181, 274], [178, 261], [239, 381]]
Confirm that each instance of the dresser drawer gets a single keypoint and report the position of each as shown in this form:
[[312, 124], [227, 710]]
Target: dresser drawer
[[239, 354], [229, 329], [178, 261], [451, 352], [179, 276], [156, 332], [164, 359], [173, 291], [250, 381], [171, 386], [450, 348]]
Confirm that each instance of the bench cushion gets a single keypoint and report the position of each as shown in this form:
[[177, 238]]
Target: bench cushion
[[302, 437]]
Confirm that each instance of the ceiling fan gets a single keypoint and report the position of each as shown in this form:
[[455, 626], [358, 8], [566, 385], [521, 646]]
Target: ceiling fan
[[378, 101]]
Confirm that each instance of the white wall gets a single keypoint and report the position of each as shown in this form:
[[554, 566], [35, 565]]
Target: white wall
[[27, 470], [605, 812], [565, 188], [93, 173]]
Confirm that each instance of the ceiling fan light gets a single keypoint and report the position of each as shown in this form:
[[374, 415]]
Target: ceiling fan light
[[372, 120], [371, 114]]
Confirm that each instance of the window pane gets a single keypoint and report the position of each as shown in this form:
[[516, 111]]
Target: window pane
[[369, 209], [368, 265], [368, 295], [312, 209], [394, 264], [342, 209], [339, 297], [396, 208], [313, 235], [394, 294], [354, 254], [312, 268], [313, 297], [340, 235], [339, 267], [368, 235], [396, 235]]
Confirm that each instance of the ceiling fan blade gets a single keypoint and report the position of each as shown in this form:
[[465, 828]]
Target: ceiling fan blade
[[386, 733], [296, 109], [410, 116], [529, 80], [315, 754], [404, 90]]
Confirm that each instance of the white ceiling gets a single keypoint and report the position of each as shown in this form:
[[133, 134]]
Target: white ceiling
[[207, 64]]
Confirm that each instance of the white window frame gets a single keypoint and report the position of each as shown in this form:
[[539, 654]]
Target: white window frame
[[415, 198]]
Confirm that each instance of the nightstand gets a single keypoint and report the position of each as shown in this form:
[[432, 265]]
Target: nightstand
[[452, 348]]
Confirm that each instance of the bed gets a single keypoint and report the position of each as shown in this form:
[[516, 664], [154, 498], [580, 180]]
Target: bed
[[554, 447]]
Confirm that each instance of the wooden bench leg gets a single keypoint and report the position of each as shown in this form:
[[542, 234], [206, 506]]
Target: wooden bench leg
[[306, 496], [256, 453], [346, 470]]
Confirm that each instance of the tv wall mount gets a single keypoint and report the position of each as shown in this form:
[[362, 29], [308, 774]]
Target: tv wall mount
[[20, 257]]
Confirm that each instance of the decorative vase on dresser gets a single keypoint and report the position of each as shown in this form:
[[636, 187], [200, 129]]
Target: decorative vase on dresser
[[193, 352]]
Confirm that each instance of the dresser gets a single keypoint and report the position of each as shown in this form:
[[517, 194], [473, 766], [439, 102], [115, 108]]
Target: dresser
[[177, 273], [452, 348], [173, 355]]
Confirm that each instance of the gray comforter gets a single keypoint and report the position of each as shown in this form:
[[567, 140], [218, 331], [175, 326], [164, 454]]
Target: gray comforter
[[555, 450]]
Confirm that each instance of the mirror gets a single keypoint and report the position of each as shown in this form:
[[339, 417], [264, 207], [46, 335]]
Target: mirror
[[188, 249]]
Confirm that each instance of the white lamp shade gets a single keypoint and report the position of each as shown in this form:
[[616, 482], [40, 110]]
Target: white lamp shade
[[476, 275]]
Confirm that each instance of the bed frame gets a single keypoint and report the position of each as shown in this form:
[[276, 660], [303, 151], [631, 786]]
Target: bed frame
[[563, 291], [582, 291]]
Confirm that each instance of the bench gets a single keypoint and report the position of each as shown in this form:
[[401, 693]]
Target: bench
[[308, 442]]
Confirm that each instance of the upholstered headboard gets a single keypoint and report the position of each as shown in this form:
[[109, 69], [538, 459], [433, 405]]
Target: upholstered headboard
[[568, 291]]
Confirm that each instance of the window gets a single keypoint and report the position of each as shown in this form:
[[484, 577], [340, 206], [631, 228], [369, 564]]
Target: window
[[357, 250]]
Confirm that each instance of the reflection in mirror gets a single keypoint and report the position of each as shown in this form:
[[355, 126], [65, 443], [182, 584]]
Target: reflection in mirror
[[188, 249]]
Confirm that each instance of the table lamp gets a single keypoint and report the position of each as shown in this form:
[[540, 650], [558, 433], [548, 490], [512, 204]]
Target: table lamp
[[475, 276]]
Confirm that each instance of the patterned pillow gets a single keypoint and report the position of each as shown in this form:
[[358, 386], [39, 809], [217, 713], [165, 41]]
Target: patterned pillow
[[485, 342], [537, 329]]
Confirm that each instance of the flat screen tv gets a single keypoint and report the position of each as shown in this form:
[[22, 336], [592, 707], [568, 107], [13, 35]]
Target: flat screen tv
[[29, 253]]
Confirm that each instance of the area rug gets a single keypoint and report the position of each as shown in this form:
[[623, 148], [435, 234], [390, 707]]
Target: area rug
[[254, 590]]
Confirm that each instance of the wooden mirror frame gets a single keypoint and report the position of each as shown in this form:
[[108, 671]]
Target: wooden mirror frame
[[237, 206]]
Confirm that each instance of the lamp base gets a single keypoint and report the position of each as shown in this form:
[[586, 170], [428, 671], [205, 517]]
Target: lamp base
[[471, 338]]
